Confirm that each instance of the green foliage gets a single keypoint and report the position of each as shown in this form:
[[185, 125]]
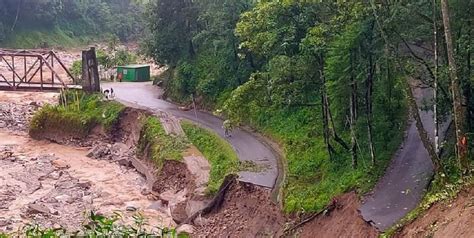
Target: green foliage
[[155, 144], [76, 69], [220, 154], [99, 226], [196, 40], [46, 23], [76, 115], [112, 58], [285, 58], [283, 98]]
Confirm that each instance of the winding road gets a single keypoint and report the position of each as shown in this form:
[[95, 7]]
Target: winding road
[[402, 187], [247, 145]]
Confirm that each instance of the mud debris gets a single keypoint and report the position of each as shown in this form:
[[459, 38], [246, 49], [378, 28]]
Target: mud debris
[[112, 152], [16, 117]]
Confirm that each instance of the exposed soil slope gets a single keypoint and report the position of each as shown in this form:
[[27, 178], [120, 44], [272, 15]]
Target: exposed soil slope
[[448, 219], [247, 211], [344, 221]]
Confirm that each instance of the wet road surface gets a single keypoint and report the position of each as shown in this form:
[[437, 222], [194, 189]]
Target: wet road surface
[[246, 145], [406, 179]]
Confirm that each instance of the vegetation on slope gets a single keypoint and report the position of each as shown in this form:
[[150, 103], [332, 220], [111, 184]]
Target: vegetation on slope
[[77, 114], [220, 154], [155, 144], [47, 23], [287, 68], [329, 80], [99, 226]]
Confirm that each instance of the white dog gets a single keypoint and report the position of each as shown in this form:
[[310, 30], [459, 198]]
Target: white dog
[[109, 94]]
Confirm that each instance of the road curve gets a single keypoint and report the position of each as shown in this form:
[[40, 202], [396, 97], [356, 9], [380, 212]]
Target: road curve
[[246, 145], [409, 173]]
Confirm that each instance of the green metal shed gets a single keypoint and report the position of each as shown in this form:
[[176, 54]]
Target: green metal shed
[[133, 73]]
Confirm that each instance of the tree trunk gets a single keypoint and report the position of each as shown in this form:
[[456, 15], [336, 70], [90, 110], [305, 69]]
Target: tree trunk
[[459, 110], [352, 118], [326, 127], [468, 85], [332, 129], [324, 107], [435, 84], [17, 15], [368, 101]]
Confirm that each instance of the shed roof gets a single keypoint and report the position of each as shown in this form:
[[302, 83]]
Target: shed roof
[[134, 66]]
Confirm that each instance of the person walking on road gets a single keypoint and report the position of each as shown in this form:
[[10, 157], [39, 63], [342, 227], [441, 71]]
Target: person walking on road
[[227, 126]]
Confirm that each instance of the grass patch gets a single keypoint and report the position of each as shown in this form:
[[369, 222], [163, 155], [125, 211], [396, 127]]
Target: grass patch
[[155, 144], [76, 115], [220, 154]]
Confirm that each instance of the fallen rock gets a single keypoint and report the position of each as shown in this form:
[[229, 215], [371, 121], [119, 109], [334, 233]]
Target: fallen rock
[[178, 212], [38, 209], [145, 191], [186, 229], [64, 198], [4, 222], [6, 154], [60, 164], [85, 185], [201, 221], [125, 162], [131, 209]]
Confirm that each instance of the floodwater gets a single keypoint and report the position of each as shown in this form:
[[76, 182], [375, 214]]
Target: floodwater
[[55, 185], [68, 183]]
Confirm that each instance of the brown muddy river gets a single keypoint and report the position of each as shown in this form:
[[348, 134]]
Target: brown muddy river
[[63, 183], [55, 185]]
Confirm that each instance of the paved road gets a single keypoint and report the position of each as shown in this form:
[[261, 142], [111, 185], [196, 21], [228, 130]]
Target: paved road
[[406, 179], [246, 145]]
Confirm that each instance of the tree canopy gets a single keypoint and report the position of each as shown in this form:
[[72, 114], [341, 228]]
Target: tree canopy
[[328, 79], [122, 18]]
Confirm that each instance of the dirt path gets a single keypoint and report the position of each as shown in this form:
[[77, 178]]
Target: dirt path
[[247, 146], [406, 179]]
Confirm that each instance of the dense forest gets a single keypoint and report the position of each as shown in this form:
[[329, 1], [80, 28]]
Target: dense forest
[[21, 20], [329, 80]]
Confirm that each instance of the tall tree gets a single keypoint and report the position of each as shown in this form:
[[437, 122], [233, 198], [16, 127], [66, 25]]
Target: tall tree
[[459, 110]]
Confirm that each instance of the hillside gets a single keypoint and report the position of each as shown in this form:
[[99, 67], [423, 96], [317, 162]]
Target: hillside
[[32, 24], [329, 81]]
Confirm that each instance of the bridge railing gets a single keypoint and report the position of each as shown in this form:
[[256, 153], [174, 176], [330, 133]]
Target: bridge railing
[[31, 72]]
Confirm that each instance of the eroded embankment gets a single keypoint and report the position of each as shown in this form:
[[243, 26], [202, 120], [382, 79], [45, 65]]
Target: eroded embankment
[[341, 219], [452, 218]]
